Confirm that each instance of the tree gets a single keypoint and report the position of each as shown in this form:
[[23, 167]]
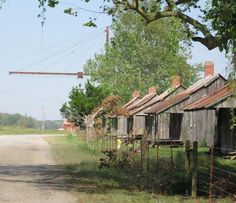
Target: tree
[[82, 102], [142, 56], [17, 120], [213, 27]]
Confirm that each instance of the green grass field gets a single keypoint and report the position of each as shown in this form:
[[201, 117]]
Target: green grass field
[[111, 185], [24, 131]]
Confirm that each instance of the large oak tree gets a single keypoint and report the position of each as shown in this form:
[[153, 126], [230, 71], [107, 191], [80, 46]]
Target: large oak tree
[[210, 22], [142, 56]]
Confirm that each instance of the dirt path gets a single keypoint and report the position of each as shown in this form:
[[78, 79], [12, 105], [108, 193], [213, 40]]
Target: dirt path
[[28, 173]]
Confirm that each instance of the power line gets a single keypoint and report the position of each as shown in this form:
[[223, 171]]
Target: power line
[[72, 49], [48, 47], [27, 97], [81, 8], [46, 58], [72, 53], [80, 56]]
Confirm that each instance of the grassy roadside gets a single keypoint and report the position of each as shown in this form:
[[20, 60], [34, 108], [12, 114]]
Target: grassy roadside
[[94, 185], [24, 131], [106, 185]]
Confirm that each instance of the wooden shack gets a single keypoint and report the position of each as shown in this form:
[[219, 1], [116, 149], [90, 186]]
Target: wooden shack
[[173, 122], [137, 121], [123, 122], [222, 105], [149, 122]]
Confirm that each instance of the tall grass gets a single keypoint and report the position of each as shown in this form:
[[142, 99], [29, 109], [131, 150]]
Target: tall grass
[[81, 161]]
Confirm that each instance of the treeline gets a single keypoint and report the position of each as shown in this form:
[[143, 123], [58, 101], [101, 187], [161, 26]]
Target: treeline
[[18, 120]]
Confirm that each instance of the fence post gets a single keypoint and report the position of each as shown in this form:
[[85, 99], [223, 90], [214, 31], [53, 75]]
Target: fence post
[[211, 173], [148, 156], [194, 169], [187, 163], [187, 158]]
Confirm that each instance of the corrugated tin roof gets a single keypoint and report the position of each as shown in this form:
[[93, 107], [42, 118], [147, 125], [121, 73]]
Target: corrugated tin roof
[[155, 100], [131, 101], [160, 107], [203, 83], [142, 101], [208, 101]]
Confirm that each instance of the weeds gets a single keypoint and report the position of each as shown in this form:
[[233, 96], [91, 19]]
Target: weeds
[[116, 183]]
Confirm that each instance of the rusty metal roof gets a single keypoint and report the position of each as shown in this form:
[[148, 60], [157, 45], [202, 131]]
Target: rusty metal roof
[[162, 106], [155, 100], [132, 101], [205, 82], [142, 101], [208, 101]]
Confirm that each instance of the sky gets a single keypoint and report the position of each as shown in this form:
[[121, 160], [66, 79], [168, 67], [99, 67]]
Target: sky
[[62, 45]]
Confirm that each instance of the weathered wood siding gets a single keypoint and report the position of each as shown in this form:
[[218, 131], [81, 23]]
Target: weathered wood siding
[[178, 107], [169, 125], [228, 103], [163, 131], [199, 126], [122, 126], [220, 82], [139, 125]]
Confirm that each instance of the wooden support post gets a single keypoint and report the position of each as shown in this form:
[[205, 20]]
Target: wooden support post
[[194, 169], [211, 174], [148, 156], [157, 159], [141, 147]]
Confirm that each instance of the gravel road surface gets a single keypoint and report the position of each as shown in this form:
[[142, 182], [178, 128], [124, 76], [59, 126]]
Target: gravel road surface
[[28, 173]]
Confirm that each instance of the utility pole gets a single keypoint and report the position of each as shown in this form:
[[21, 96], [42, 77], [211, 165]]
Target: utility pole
[[107, 36], [43, 120]]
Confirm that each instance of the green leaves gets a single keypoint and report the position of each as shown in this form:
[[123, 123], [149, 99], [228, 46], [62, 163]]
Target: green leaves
[[142, 56], [90, 23], [222, 15], [69, 11], [52, 3], [82, 102]]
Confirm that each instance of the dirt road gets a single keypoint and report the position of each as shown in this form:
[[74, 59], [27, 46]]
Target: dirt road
[[28, 173]]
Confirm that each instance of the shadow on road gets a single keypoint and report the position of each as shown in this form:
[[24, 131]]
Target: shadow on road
[[54, 177]]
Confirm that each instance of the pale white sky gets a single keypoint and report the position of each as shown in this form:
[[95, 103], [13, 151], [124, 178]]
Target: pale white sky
[[64, 44]]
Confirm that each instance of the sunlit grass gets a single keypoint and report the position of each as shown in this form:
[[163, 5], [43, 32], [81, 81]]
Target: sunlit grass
[[23, 131], [81, 160]]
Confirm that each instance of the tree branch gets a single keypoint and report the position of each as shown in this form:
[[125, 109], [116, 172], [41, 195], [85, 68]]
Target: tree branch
[[179, 2], [170, 3], [209, 40], [210, 43]]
